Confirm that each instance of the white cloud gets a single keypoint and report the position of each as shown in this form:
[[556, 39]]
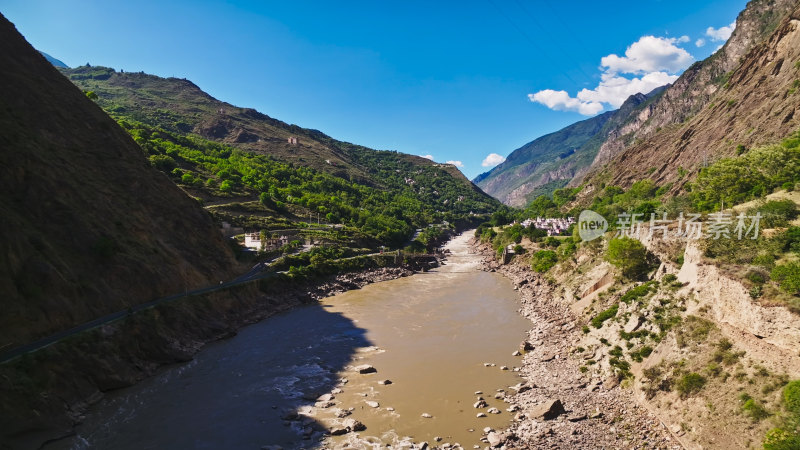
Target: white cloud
[[456, 163], [700, 42], [648, 63], [721, 33], [427, 157], [615, 89], [649, 54], [561, 101], [492, 159]]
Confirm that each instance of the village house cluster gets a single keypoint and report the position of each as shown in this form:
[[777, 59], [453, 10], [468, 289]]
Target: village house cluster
[[553, 226]]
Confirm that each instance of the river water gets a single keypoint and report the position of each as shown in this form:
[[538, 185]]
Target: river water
[[431, 334]]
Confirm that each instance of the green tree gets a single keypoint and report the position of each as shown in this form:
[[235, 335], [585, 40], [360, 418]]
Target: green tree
[[226, 186], [163, 163], [788, 277], [629, 255], [543, 260]]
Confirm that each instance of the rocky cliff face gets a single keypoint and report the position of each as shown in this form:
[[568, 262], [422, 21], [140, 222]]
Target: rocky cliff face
[[732, 98], [744, 94]]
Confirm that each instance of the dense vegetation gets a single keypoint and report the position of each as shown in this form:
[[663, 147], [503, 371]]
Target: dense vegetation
[[218, 170], [751, 175], [238, 163]]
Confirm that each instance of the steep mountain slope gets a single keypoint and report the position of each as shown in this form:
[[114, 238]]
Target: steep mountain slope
[[551, 161], [742, 95], [180, 106], [89, 227], [393, 191], [523, 170], [649, 128]]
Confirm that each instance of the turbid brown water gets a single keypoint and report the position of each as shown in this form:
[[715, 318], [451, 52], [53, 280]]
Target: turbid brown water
[[430, 334]]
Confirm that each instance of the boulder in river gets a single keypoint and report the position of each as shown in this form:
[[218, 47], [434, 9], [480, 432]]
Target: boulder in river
[[385, 382], [338, 430], [372, 404], [480, 404], [341, 413], [365, 368], [354, 425], [521, 387], [426, 415], [493, 411]]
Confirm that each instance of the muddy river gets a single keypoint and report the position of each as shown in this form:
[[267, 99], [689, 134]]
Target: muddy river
[[438, 337]]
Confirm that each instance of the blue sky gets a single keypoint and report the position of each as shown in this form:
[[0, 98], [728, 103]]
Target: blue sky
[[455, 80]]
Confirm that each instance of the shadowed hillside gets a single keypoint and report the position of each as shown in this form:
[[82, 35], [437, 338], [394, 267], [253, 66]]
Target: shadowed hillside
[[90, 227]]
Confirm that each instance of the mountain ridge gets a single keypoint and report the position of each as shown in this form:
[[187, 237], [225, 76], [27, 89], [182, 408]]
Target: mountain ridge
[[553, 160], [637, 136], [721, 113]]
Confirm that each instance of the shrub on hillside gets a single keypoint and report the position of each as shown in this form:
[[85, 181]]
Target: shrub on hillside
[[163, 163], [781, 439], [775, 213], [636, 292], [791, 397], [751, 175], [754, 410], [543, 260], [791, 239], [598, 320], [788, 277], [629, 255], [787, 435], [690, 384]]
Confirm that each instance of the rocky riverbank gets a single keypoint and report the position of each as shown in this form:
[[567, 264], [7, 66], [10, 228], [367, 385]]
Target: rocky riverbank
[[560, 407]]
